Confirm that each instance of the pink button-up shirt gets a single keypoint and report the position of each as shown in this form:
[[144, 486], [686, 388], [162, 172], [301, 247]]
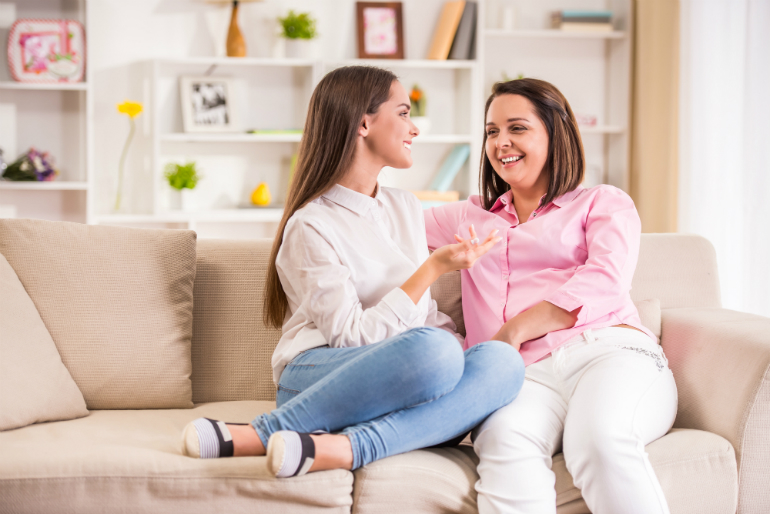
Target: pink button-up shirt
[[579, 251]]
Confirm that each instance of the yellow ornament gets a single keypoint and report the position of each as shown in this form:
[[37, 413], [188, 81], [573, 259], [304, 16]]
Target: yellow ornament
[[261, 195]]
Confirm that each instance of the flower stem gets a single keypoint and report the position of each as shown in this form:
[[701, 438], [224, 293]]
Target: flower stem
[[122, 162]]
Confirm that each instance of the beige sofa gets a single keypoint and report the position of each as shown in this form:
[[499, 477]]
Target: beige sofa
[[715, 460]]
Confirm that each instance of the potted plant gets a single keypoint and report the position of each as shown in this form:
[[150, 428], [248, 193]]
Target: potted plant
[[298, 29], [182, 178]]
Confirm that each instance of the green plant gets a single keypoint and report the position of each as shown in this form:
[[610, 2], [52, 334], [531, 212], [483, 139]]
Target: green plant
[[182, 176], [298, 26]]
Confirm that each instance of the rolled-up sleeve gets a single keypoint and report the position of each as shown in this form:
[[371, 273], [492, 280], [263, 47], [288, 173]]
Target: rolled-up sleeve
[[320, 286], [441, 223], [612, 232]]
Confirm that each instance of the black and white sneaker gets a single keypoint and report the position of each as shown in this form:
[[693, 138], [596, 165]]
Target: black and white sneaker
[[290, 454], [207, 438]]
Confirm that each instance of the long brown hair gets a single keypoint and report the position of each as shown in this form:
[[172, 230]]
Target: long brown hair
[[565, 164], [337, 108]]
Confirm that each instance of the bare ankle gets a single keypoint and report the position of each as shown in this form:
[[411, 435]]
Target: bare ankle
[[332, 451], [246, 442]]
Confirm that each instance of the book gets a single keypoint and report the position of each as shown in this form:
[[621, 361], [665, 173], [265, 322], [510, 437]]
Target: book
[[583, 21], [586, 27], [462, 46], [450, 168], [446, 29], [567, 13], [437, 196]]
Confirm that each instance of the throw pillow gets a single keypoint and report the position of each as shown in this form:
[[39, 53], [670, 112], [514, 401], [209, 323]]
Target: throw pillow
[[649, 313], [34, 384], [117, 303]]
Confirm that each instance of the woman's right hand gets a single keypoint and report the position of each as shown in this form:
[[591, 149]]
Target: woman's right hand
[[465, 253]]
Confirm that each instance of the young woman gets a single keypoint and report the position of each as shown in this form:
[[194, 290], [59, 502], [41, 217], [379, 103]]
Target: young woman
[[597, 384], [364, 350]]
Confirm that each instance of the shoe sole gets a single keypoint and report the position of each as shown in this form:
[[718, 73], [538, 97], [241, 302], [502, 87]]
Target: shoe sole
[[191, 446], [276, 454]]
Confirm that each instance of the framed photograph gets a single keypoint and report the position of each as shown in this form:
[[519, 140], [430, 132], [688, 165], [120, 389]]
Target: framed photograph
[[208, 104], [380, 30]]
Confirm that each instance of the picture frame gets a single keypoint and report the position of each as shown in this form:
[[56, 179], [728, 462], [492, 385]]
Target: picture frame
[[46, 51], [208, 104], [380, 30]]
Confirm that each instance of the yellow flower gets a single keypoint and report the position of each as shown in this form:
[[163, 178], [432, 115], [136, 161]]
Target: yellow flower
[[133, 109]]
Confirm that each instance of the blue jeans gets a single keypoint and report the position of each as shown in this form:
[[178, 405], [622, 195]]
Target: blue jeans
[[411, 391]]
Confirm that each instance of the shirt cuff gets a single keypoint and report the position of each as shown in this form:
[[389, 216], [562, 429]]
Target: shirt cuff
[[402, 306], [569, 303]]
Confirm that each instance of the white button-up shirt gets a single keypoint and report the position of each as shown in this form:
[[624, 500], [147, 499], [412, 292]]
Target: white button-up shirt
[[343, 258]]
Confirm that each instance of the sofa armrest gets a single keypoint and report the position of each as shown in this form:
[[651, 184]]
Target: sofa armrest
[[721, 363]]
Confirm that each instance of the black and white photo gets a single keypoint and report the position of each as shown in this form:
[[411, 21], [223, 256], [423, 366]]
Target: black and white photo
[[207, 104]]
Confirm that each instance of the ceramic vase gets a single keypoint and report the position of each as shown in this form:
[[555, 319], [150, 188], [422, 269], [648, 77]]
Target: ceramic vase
[[298, 48]]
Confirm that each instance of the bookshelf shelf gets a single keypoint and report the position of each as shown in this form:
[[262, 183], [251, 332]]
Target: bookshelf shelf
[[243, 62], [24, 86], [231, 138], [255, 215], [44, 186], [408, 63], [553, 34]]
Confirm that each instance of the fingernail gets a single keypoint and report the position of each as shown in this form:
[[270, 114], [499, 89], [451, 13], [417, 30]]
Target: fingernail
[[495, 231]]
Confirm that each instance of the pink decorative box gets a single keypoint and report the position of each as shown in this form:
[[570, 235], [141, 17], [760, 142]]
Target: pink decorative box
[[47, 51]]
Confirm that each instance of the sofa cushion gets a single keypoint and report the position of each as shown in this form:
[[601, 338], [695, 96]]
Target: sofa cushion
[[231, 347], [447, 291], [117, 303], [34, 384], [697, 471], [133, 459]]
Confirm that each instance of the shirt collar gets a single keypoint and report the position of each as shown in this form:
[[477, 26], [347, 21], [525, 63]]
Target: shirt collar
[[352, 200], [504, 200], [566, 198]]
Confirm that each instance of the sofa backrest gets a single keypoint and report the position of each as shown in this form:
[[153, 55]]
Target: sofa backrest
[[232, 349]]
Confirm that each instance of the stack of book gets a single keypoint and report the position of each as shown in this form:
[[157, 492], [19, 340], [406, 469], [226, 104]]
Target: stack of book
[[455, 33], [583, 21]]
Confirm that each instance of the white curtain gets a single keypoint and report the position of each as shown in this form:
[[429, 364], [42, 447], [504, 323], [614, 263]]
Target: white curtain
[[724, 188]]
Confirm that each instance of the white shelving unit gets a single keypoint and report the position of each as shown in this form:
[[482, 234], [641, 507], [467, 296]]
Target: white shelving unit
[[592, 70], [56, 118]]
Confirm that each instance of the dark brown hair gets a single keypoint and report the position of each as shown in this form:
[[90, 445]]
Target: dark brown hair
[[337, 108], [565, 164]]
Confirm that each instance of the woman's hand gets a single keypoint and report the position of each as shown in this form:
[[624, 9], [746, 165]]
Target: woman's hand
[[535, 322], [447, 258], [465, 253]]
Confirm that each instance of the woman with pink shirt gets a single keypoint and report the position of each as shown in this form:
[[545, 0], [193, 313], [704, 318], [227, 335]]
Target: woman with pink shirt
[[557, 288]]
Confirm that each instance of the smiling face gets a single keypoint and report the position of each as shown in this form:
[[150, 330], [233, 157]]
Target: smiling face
[[517, 144], [390, 133]]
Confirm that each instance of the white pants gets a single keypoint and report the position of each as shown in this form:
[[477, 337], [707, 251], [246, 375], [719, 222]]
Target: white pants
[[601, 397]]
